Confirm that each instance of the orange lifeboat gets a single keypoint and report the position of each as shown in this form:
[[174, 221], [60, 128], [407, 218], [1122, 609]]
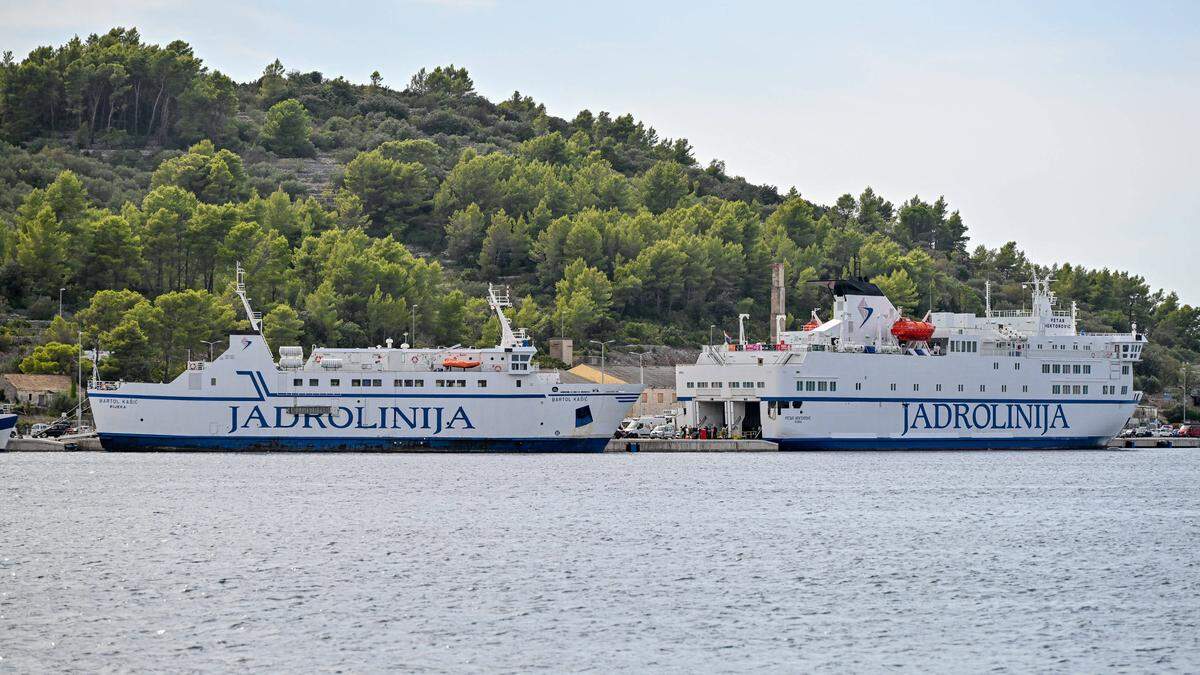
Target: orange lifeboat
[[908, 330], [460, 363], [813, 323]]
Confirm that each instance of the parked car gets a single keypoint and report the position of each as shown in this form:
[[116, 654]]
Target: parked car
[[1190, 430], [663, 431]]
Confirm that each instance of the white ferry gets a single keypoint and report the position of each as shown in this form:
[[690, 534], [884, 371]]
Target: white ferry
[[868, 378], [380, 398], [8, 424]]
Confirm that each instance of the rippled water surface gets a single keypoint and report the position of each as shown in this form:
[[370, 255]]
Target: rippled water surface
[[1077, 562]]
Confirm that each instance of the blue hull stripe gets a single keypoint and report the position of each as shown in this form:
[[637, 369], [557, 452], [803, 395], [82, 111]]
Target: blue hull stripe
[[1041, 443], [7, 422], [152, 442], [263, 392]]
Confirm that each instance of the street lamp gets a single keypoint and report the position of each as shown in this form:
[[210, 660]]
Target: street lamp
[[641, 368], [603, 346], [414, 325], [60, 292], [210, 348], [1186, 398], [711, 327]]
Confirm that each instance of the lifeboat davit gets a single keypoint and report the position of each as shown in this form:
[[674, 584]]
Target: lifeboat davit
[[460, 363], [908, 330]]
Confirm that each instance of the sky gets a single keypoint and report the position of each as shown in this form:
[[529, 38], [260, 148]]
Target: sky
[[1068, 127]]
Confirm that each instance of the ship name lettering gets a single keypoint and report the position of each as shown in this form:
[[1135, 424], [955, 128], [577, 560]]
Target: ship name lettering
[[431, 419], [1042, 417]]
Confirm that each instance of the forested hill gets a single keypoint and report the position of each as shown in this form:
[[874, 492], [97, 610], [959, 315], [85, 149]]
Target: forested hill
[[134, 177]]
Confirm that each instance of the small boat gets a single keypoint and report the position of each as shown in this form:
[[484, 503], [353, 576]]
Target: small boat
[[908, 330], [460, 363]]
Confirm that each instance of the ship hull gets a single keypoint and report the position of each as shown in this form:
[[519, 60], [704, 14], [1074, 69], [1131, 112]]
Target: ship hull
[[165, 443]]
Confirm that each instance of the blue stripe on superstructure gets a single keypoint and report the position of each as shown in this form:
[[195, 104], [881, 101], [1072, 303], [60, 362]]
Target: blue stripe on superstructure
[[864, 399], [961, 443], [141, 442], [7, 422]]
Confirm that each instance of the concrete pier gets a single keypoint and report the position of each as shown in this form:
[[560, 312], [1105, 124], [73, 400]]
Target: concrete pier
[[689, 445]]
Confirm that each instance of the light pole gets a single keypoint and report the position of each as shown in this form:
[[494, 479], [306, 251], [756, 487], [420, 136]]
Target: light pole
[[603, 345], [1186, 398], [60, 292], [641, 367], [210, 348], [711, 327], [414, 325]]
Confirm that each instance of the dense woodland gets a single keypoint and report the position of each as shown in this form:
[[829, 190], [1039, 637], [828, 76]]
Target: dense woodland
[[134, 178]]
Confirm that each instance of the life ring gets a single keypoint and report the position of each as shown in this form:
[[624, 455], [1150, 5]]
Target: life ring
[[317, 358], [414, 359], [496, 368]]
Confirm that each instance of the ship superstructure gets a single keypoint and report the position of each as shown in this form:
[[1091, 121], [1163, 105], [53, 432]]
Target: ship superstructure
[[867, 378], [376, 398]]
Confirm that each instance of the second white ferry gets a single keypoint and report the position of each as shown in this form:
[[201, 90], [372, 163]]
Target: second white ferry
[[868, 378], [380, 398]]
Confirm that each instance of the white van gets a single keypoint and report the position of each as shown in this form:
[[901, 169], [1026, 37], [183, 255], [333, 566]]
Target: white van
[[640, 427]]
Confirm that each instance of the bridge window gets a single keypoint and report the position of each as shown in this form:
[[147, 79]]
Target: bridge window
[[1087, 369], [1046, 368], [822, 386], [1125, 370], [335, 382], [298, 382], [833, 386], [691, 385]]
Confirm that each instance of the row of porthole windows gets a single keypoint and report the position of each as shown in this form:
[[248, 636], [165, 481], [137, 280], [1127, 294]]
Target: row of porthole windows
[[1067, 368], [732, 385], [816, 385], [337, 382]]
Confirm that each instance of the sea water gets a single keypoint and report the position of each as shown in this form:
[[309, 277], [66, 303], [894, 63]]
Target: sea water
[[1020, 561]]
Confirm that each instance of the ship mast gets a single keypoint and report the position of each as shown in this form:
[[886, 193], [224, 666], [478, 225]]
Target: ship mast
[[254, 317], [499, 299]]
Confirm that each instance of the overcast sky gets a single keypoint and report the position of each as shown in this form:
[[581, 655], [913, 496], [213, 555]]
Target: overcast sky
[[1071, 129]]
